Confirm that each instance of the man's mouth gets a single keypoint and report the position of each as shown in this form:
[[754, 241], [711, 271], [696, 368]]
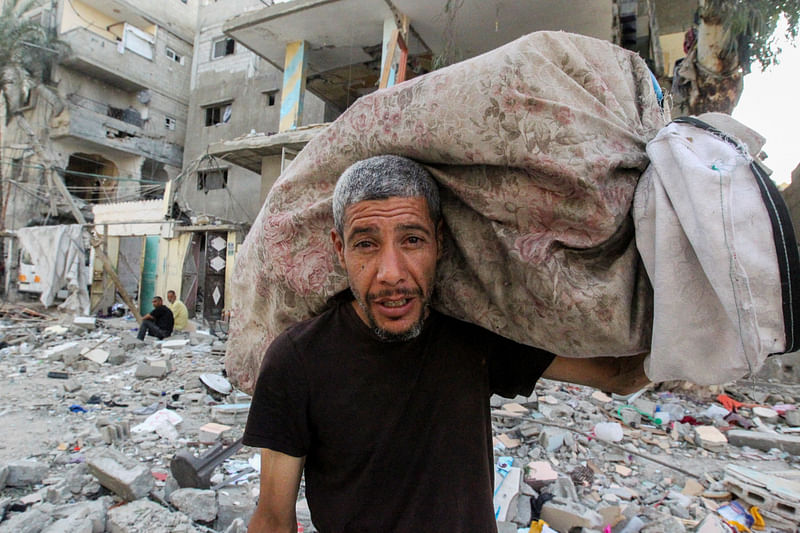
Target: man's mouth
[[394, 303]]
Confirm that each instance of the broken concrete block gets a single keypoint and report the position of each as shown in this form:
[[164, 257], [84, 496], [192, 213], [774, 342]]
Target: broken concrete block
[[792, 417], [233, 503], [231, 413], [766, 414], [86, 322], [710, 438], [539, 473], [551, 439], [777, 497], [563, 515], [558, 411], [3, 477], [55, 330], [174, 344], [25, 473], [508, 442], [211, 432], [31, 521], [88, 516], [57, 353], [765, 441], [144, 515], [130, 343], [146, 370], [97, 355], [117, 357], [612, 514], [198, 504], [119, 473], [712, 524], [71, 385]]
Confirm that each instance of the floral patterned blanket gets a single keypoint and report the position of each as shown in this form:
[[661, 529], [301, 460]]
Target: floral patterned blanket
[[537, 147]]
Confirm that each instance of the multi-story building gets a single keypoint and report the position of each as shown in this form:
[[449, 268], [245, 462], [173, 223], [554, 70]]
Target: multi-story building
[[115, 132]]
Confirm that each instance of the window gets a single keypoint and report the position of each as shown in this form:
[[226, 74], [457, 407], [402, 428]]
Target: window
[[169, 123], [271, 97], [173, 55], [218, 114], [223, 47], [209, 180]]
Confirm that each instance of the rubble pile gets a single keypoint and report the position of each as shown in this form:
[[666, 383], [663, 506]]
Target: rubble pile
[[104, 432]]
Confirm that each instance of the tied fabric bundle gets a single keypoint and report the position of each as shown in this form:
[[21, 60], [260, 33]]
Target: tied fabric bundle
[[537, 147]]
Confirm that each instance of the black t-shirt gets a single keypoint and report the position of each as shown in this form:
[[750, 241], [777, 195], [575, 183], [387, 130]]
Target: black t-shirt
[[397, 436], [163, 318]]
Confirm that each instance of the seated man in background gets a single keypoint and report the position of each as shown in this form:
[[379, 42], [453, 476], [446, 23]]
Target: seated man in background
[[157, 322], [180, 314]]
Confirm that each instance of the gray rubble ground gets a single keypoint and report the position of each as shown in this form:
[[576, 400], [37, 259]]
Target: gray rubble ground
[[74, 458]]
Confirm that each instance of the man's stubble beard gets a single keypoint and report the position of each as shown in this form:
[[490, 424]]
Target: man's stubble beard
[[388, 336]]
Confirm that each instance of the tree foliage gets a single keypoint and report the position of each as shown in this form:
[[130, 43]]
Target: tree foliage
[[28, 51], [751, 26]]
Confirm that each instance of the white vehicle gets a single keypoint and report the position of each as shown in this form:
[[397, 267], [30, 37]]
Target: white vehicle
[[28, 280]]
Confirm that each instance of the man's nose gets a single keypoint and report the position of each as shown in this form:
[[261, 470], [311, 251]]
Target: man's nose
[[392, 269]]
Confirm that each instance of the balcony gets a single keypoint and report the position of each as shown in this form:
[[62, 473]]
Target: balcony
[[109, 127], [126, 68]]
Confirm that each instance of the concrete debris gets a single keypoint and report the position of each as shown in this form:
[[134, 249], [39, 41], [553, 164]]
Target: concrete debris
[[144, 515], [198, 504], [25, 473], [119, 473], [104, 430], [765, 441]]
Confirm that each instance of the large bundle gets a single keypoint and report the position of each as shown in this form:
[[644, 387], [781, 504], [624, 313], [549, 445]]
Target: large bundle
[[537, 147]]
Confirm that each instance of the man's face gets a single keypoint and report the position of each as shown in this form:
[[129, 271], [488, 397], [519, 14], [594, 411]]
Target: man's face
[[157, 302], [171, 297], [389, 250]]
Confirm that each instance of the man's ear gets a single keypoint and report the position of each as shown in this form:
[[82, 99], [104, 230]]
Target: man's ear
[[338, 245]]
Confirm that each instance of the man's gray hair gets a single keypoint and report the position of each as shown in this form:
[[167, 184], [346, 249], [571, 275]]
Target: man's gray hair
[[382, 177]]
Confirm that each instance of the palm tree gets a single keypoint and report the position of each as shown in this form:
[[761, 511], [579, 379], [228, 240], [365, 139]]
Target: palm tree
[[730, 35], [29, 50]]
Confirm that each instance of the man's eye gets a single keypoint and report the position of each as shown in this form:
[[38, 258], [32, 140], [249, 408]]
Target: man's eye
[[362, 244], [414, 240]]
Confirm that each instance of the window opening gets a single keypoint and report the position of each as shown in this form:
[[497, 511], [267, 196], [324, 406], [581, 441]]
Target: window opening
[[173, 55], [212, 179], [223, 47], [218, 114]]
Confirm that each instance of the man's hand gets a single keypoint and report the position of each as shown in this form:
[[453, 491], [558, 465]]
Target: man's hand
[[280, 481], [148, 316], [622, 375]]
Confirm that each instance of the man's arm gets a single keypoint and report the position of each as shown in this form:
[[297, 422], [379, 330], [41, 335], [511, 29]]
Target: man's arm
[[280, 481], [622, 375]]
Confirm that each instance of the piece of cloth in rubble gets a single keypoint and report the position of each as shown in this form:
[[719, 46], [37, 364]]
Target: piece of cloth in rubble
[[537, 147], [59, 256], [704, 228], [388, 428]]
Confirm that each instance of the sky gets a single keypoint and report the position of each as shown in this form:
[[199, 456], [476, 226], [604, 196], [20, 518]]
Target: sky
[[770, 104]]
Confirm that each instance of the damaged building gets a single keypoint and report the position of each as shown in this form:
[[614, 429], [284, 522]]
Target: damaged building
[[113, 129]]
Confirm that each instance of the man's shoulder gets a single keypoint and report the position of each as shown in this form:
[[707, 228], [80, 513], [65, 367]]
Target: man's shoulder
[[317, 328]]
